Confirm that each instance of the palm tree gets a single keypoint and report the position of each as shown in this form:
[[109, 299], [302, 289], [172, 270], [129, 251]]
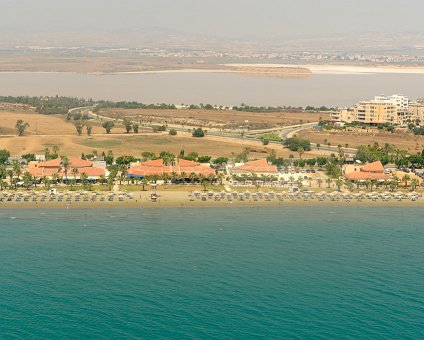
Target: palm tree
[[102, 179], [339, 183], [75, 173], [300, 151], [10, 174], [211, 178], [65, 165], [27, 178], [17, 170], [328, 181], [3, 184], [319, 180], [84, 179], [166, 177], [55, 149], [124, 171], [405, 179], [144, 182], [221, 177], [414, 183], [192, 177]]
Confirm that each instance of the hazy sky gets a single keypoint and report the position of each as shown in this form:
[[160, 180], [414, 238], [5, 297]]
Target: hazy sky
[[214, 18]]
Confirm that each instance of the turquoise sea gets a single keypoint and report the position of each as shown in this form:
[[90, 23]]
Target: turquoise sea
[[236, 273]]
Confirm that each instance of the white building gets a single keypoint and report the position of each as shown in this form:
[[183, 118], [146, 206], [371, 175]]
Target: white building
[[402, 102]]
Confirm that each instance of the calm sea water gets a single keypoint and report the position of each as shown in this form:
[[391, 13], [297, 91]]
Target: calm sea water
[[212, 273], [215, 88]]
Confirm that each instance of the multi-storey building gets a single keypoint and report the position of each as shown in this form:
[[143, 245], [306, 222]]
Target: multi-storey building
[[416, 111], [375, 113], [343, 115], [381, 110], [402, 102]]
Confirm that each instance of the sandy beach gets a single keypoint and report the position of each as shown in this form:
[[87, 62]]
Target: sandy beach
[[185, 199]]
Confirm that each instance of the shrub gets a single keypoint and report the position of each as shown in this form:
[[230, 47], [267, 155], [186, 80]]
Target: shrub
[[294, 143], [198, 133]]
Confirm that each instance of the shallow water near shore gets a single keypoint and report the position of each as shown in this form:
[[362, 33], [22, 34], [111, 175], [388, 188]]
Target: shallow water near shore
[[307, 272]]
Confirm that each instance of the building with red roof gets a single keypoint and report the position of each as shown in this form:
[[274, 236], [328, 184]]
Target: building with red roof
[[55, 167], [371, 171], [181, 166], [260, 166]]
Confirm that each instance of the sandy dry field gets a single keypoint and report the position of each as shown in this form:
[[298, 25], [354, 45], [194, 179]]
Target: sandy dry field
[[218, 116], [406, 141], [46, 131]]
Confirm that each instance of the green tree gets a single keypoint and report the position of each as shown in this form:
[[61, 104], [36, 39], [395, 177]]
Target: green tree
[[27, 178], [108, 125], [405, 179], [21, 126], [65, 165], [339, 183], [173, 132], [84, 179], [75, 172], [135, 127], [127, 124], [294, 143], [199, 133], [79, 126], [89, 130], [4, 156]]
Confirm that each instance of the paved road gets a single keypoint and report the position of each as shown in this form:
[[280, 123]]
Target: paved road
[[285, 132]]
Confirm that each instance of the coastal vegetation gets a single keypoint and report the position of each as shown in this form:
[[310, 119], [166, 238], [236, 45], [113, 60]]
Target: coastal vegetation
[[49, 105], [297, 144]]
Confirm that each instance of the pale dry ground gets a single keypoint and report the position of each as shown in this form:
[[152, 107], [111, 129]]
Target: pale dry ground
[[47, 62], [55, 130], [218, 116], [121, 144], [407, 141]]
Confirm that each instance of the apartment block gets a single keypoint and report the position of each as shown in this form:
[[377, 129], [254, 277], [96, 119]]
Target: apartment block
[[375, 113], [401, 101], [343, 115], [395, 109], [416, 111]]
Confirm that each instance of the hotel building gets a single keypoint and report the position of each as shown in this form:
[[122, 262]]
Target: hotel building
[[381, 110]]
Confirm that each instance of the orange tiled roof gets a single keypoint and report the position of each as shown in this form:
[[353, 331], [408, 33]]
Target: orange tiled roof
[[53, 166], [157, 167], [155, 162], [185, 162], [373, 167], [362, 176], [260, 166], [90, 171], [79, 163], [54, 163], [43, 172]]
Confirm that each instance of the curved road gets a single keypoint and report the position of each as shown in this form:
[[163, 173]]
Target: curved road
[[284, 132]]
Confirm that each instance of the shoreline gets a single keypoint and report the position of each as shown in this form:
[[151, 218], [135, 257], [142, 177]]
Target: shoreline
[[343, 69], [255, 69], [181, 199]]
